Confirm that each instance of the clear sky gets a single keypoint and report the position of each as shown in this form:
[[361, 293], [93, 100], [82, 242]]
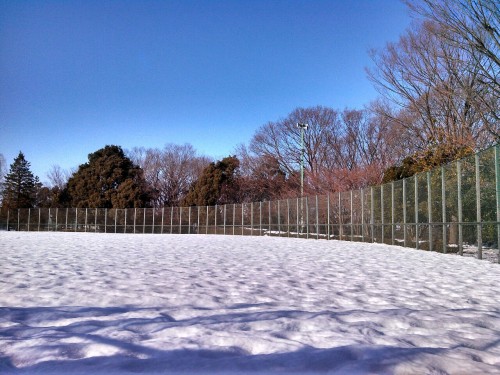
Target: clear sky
[[78, 75]]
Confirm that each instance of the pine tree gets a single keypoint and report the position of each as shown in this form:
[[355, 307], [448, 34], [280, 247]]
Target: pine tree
[[20, 185], [218, 184], [108, 180]]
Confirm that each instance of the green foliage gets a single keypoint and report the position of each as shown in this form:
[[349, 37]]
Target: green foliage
[[20, 186], [398, 172], [432, 157], [108, 180], [218, 184]]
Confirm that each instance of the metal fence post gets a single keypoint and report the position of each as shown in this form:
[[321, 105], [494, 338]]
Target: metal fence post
[[162, 219], [460, 218], [497, 184], [143, 220], [362, 215], [405, 220], [225, 219], [242, 219], [172, 219], [125, 222], [105, 220], [328, 216], [443, 198], [39, 218], [198, 223], [215, 220], [76, 219], [234, 219], [251, 218], [352, 215], [307, 217], [478, 211], [116, 217], [180, 219], [429, 210], [152, 218], [29, 218], [86, 218], [341, 222], [317, 219], [279, 219], [8, 216], [270, 227], [288, 216], [382, 212], [135, 216], [18, 218], [95, 220], [297, 228], [417, 240], [392, 214], [372, 213], [260, 218]]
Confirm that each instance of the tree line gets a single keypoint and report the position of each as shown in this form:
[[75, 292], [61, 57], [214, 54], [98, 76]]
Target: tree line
[[439, 101]]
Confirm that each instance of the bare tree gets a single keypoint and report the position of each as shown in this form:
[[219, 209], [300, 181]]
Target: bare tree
[[435, 87], [473, 27], [371, 144], [58, 177], [340, 147], [169, 171], [470, 25], [282, 140], [262, 178]]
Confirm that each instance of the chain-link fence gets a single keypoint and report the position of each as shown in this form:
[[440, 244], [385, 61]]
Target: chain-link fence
[[452, 209]]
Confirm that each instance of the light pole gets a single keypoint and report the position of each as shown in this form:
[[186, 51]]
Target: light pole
[[303, 127]]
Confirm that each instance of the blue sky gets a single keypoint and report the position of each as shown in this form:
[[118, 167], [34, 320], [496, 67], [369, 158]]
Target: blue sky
[[78, 75]]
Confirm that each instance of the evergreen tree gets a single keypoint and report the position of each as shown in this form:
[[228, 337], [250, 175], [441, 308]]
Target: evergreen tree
[[432, 157], [218, 184], [20, 185], [108, 180]]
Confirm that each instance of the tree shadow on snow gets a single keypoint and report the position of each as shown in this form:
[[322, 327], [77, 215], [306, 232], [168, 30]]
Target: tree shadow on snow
[[64, 332]]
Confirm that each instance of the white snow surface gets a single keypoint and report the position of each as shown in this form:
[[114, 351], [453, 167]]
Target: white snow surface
[[81, 303]]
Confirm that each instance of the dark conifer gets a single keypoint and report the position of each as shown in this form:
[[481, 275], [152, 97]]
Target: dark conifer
[[20, 185], [218, 184], [108, 180]]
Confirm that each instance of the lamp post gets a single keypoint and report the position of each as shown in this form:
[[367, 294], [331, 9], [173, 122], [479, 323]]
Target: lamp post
[[303, 127]]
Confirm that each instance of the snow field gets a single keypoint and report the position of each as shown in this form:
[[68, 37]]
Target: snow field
[[118, 303]]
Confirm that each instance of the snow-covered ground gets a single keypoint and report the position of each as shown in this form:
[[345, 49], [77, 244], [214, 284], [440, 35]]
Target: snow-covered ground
[[74, 303]]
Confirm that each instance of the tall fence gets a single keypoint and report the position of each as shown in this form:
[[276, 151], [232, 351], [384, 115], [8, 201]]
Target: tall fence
[[451, 209]]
